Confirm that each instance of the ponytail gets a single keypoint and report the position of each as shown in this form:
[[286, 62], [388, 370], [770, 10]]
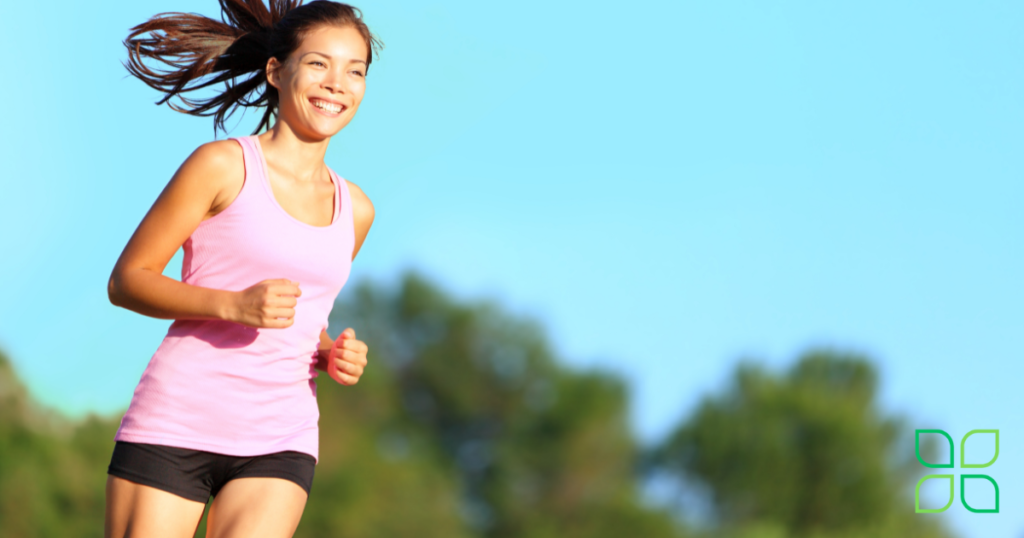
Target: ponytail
[[198, 52]]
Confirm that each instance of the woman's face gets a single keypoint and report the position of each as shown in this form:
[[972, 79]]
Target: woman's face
[[322, 83]]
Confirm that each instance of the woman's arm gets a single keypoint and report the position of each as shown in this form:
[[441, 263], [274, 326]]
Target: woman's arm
[[207, 182], [362, 215]]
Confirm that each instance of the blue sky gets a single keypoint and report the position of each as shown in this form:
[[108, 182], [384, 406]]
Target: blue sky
[[669, 187]]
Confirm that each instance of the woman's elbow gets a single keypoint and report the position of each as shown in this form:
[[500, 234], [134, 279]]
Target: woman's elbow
[[114, 292]]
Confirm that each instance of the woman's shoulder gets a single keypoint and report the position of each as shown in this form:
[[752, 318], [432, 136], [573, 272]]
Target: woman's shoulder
[[362, 215], [216, 168], [215, 159], [362, 208], [221, 155], [356, 192]]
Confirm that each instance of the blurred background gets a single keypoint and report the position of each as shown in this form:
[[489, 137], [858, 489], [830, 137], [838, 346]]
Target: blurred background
[[665, 269]]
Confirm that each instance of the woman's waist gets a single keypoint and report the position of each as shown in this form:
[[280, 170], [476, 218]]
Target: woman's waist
[[219, 336], [224, 383], [258, 361], [210, 409]]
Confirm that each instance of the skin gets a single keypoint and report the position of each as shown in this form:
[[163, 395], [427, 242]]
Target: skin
[[328, 65]]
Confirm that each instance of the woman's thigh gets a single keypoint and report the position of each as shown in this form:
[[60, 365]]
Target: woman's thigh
[[251, 506], [138, 510]]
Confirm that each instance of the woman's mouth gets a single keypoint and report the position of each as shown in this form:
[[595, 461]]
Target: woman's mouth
[[328, 107]]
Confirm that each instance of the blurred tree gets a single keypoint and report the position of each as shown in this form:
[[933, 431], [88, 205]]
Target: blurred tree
[[802, 454], [376, 478], [52, 471], [539, 450]]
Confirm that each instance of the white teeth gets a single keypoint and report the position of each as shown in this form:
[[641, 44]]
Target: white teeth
[[329, 107]]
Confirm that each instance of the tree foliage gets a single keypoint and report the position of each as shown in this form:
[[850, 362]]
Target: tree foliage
[[537, 450], [807, 453], [52, 471]]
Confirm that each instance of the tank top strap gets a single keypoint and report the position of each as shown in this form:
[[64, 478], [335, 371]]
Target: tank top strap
[[340, 203], [253, 162], [338, 198]]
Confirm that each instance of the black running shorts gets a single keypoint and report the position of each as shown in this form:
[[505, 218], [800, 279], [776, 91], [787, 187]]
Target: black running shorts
[[196, 475]]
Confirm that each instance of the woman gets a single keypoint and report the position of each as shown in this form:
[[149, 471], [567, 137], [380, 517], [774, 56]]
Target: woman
[[227, 405]]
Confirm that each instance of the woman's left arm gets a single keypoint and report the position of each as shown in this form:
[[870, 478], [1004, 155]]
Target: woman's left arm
[[362, 215], [349, 353]]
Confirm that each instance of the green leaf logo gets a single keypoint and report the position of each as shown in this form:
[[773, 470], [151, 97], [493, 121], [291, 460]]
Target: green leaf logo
[[963, 451], [963, 498], [917, 450], [952, 478], [917, 495]]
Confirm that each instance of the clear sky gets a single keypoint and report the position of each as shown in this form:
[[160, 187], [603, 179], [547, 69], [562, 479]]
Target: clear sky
[[667, 186]]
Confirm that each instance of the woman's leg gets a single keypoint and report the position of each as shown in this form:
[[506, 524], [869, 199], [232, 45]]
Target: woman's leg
[[134, 510], [256, 507]]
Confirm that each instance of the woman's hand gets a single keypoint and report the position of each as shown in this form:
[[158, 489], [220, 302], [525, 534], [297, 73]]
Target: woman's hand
[[269, 304], [347, 358]]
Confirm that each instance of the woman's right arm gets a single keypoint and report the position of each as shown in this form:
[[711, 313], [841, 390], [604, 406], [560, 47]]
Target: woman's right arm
[[207, 182]]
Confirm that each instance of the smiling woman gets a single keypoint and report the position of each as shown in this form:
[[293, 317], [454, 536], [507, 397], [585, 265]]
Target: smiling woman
[[227, 405]]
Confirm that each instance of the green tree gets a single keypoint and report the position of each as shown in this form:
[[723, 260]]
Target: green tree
[[538, 450], [376, 478], [52, 471], [807, 453]]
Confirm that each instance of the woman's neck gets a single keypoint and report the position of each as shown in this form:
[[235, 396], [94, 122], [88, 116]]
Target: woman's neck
[[286, 151]]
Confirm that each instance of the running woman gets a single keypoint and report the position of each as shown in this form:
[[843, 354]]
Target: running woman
[[227, 405]]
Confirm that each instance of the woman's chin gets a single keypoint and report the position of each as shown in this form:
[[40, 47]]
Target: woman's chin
[[317, 132], [324, 129]]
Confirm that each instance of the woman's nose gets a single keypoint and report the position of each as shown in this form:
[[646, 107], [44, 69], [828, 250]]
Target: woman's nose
[[334, 83]]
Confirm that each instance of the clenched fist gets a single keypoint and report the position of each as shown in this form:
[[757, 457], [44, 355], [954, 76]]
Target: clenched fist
[[269, 304], [347, 358]]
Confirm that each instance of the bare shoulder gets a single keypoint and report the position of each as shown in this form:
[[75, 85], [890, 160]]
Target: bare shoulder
[[362, 207], [216, 159], [362, 215], [217, 169]]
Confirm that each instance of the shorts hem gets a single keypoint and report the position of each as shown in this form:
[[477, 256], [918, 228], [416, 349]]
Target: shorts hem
[[146, 481], [291, 477]]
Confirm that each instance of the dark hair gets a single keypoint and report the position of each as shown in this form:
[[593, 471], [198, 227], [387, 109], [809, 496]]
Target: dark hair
[[199, 52]]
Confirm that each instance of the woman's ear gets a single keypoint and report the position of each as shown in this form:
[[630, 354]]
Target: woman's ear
[[273, 72]]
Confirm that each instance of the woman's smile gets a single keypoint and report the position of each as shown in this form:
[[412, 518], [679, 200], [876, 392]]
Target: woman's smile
[[328, 108]]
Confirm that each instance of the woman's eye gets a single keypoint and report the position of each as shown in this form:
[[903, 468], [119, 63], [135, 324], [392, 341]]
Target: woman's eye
[[321, 64], [360, 73]]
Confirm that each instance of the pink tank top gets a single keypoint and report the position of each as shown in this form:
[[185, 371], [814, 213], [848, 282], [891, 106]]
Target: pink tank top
[[223, 387]]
